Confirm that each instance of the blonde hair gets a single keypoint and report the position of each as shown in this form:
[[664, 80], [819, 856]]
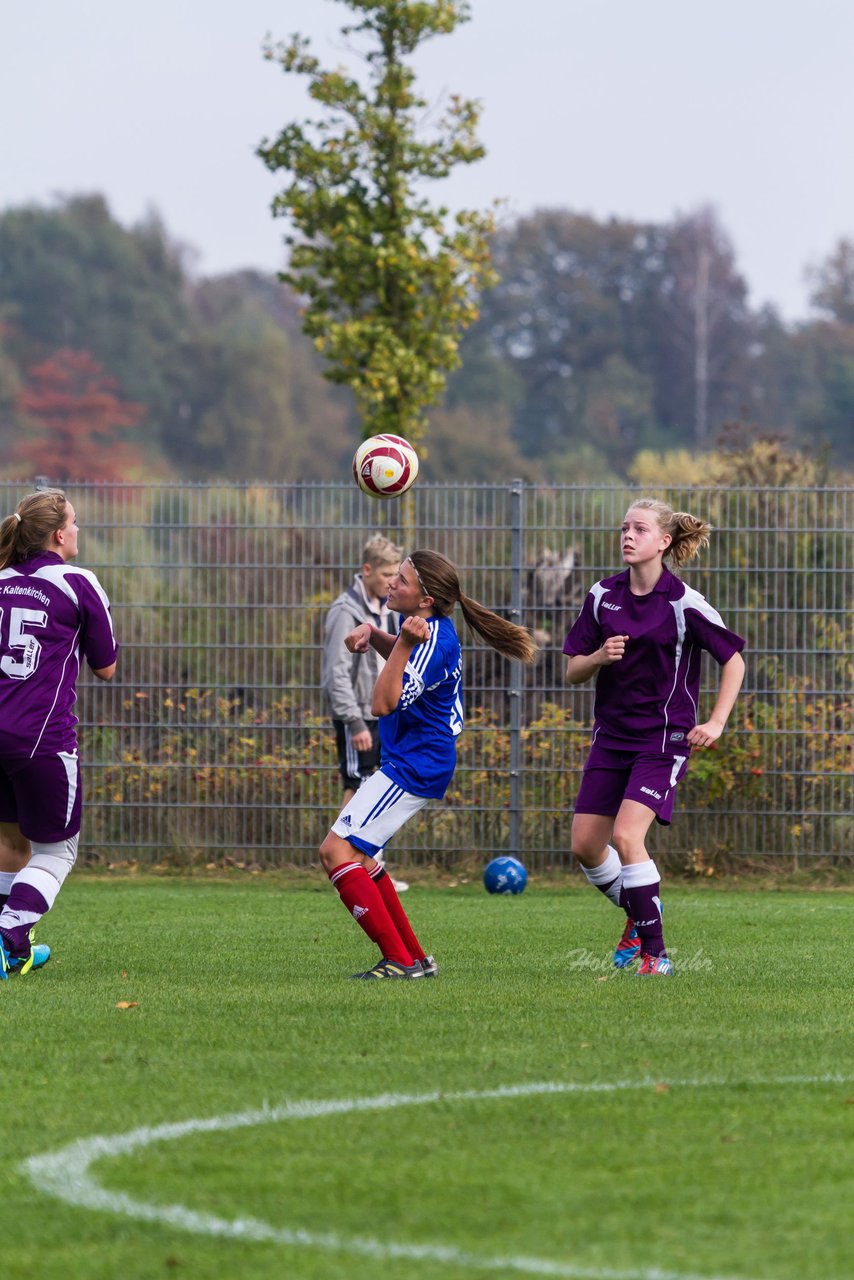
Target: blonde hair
[[688, 533], [439, 578], [380, 550], [27, 531]]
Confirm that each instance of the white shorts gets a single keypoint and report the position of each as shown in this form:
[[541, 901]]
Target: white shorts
[[378, 809]]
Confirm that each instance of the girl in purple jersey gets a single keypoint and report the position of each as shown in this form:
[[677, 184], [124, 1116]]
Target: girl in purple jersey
[[51, 614], [417, 699], [641, 633]]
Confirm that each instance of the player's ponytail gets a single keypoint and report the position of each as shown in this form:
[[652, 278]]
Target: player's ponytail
[[27, 531], [689, 534], [438, 578]]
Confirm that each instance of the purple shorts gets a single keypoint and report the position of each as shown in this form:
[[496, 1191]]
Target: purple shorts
[[612, 776], [42, 794]]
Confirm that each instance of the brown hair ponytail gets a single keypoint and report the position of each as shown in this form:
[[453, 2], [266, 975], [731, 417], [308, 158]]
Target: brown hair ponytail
[[27, 531], [439, 579]]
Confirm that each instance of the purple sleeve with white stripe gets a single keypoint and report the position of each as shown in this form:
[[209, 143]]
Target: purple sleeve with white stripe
[[97, 637], [706, 628], [585, 634]]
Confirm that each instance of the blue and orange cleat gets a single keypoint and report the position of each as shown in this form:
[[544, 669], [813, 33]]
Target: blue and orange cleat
[[629, 946]]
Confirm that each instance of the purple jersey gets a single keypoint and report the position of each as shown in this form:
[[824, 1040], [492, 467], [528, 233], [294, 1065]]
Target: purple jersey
[[51, 614], [649, 698]]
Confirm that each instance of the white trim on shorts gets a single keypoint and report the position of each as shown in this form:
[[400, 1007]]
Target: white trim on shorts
[[378, 809], [69, 760]]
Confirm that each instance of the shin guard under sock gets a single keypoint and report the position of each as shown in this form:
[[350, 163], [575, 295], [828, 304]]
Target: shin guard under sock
[[642, 888], [608, 876], [382, 880], [364, 901]]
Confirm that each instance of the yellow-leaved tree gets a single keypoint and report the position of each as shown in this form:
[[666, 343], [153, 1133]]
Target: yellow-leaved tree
[[389, 280]]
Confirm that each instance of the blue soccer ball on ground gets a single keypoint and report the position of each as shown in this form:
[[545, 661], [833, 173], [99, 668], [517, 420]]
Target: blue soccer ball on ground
[[505, 875]]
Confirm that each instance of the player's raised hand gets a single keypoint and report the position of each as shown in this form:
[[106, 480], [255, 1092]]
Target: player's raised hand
[[414, 631], [613, 649], [359, 640]]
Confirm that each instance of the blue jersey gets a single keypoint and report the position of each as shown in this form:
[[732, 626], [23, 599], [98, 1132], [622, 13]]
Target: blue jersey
[[419, 738]]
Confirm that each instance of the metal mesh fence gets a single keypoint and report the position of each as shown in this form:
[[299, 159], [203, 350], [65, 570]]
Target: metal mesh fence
[[213, 743]]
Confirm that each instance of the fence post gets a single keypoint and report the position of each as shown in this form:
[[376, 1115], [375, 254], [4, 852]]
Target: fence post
[[517, 518]]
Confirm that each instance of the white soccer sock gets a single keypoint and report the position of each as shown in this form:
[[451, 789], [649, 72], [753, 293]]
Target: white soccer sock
[[44, 884], [637, 874], [608, 876]]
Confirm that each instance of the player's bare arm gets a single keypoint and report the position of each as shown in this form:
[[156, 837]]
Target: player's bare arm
[[581, 666], [366, 637], [732, 675], [389, 685]]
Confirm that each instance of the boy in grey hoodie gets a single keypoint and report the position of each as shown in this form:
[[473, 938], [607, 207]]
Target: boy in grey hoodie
[[348, 679]]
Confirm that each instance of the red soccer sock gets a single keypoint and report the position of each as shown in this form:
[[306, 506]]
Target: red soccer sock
[[382, 880], [364, 901]]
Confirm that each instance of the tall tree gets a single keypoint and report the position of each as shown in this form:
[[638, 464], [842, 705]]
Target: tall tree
[[702, 329], [390, 279], [565, 316], [623, 334], [76, 425]]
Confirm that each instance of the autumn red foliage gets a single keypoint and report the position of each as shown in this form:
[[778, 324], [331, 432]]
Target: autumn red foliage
[[74, 424]]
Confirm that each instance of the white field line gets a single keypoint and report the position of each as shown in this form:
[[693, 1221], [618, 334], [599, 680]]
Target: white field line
[[66, 1175]]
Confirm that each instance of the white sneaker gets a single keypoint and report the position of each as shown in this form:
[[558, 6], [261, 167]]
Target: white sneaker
[[400, 886]]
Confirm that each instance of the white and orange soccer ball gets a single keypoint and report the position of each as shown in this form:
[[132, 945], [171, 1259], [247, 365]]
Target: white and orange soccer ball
[[385, 466]]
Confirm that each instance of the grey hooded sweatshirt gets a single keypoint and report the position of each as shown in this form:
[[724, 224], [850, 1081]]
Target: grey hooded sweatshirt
[[348, 678]]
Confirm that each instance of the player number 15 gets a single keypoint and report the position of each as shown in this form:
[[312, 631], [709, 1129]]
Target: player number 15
[[27, 646]]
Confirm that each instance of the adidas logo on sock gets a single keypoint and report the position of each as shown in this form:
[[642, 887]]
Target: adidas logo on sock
[[358, 912]]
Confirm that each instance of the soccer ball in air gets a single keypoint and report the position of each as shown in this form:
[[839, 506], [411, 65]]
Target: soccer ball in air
[[385, 466], [505, 875]]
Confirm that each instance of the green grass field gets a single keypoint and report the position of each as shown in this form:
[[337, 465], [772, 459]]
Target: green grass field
[[695, 1127]]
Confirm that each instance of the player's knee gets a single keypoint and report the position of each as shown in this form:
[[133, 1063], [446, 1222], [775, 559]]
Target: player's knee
[[582, 851], [329, 857], [628, 844], [14, 846], [56, 859], [584, 846]]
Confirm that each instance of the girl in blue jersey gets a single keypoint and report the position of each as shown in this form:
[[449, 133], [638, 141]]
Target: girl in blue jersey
[[642, 633], [417, 699]]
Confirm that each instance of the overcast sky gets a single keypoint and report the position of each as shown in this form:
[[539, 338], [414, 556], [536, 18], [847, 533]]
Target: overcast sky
[[630, 108]]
